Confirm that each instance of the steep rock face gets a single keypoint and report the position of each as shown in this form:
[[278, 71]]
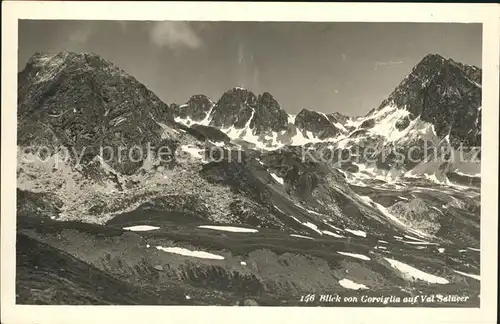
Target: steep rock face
[[234, 108], [317, 123], [259, 119], [337, 117], [446, 94], [83, 102], [197, 108], [240, 107], [269, 116]]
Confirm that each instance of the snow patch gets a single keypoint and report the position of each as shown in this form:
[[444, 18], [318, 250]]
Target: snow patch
[[334, 227], [208, 118], [415, 273], [185, 121], [412, 238], [341, 127], [141, 228], [356, 232], [301, 236], [471, 175], [419, 243], [354, 122], [468, 275], [393, 218], [186, 252], [308, 224], [278, 179], [355, 255], [314, 213], [229, 228], [385, 125], [218, 144], [300, 139], [332, 234], [279, 209], [313, 227], [349, 284]]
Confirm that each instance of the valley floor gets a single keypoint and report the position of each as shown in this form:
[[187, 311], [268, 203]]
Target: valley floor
[[75, 263]]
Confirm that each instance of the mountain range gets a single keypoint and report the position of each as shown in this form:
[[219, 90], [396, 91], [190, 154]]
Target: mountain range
[[236, 201], [438, 91]]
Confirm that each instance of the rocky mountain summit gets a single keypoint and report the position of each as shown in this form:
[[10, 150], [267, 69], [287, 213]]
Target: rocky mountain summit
[[438, 92], [444, 93], [316, 123], [253, 206], [260, 120], [83, 102], [197, 108]]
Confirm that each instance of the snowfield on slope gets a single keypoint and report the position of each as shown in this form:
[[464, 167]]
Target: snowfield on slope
[[355, 255], [415, 273], [141, 228], [278, 179], [468, 275], [301, 236], [359, 233], [349, 284], [229, 229], [189, 253]]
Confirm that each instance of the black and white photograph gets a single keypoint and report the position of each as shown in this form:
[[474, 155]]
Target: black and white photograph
[[249, 163]]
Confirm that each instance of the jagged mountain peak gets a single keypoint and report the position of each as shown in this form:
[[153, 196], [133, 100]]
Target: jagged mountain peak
[[200, 98], [438, 60], [269, 116], [434, 71], [44, 65], [437, 64], [234, 109], [54, 73], [194, 110], [243, 93], [315, 122], [433, 58], [240, 108], [438, 91], [43, 57], [83, 101], [444, 93]]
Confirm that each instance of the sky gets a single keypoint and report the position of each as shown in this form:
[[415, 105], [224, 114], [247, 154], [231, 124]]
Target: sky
[[344, 67]]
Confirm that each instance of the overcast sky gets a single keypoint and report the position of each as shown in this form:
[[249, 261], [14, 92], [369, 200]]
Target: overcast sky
[[344, 67]]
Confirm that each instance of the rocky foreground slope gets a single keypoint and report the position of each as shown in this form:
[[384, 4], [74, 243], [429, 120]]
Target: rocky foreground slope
[[236, 202]]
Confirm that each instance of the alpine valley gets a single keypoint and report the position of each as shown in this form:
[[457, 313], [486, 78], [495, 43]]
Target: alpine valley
[[237, 202]]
